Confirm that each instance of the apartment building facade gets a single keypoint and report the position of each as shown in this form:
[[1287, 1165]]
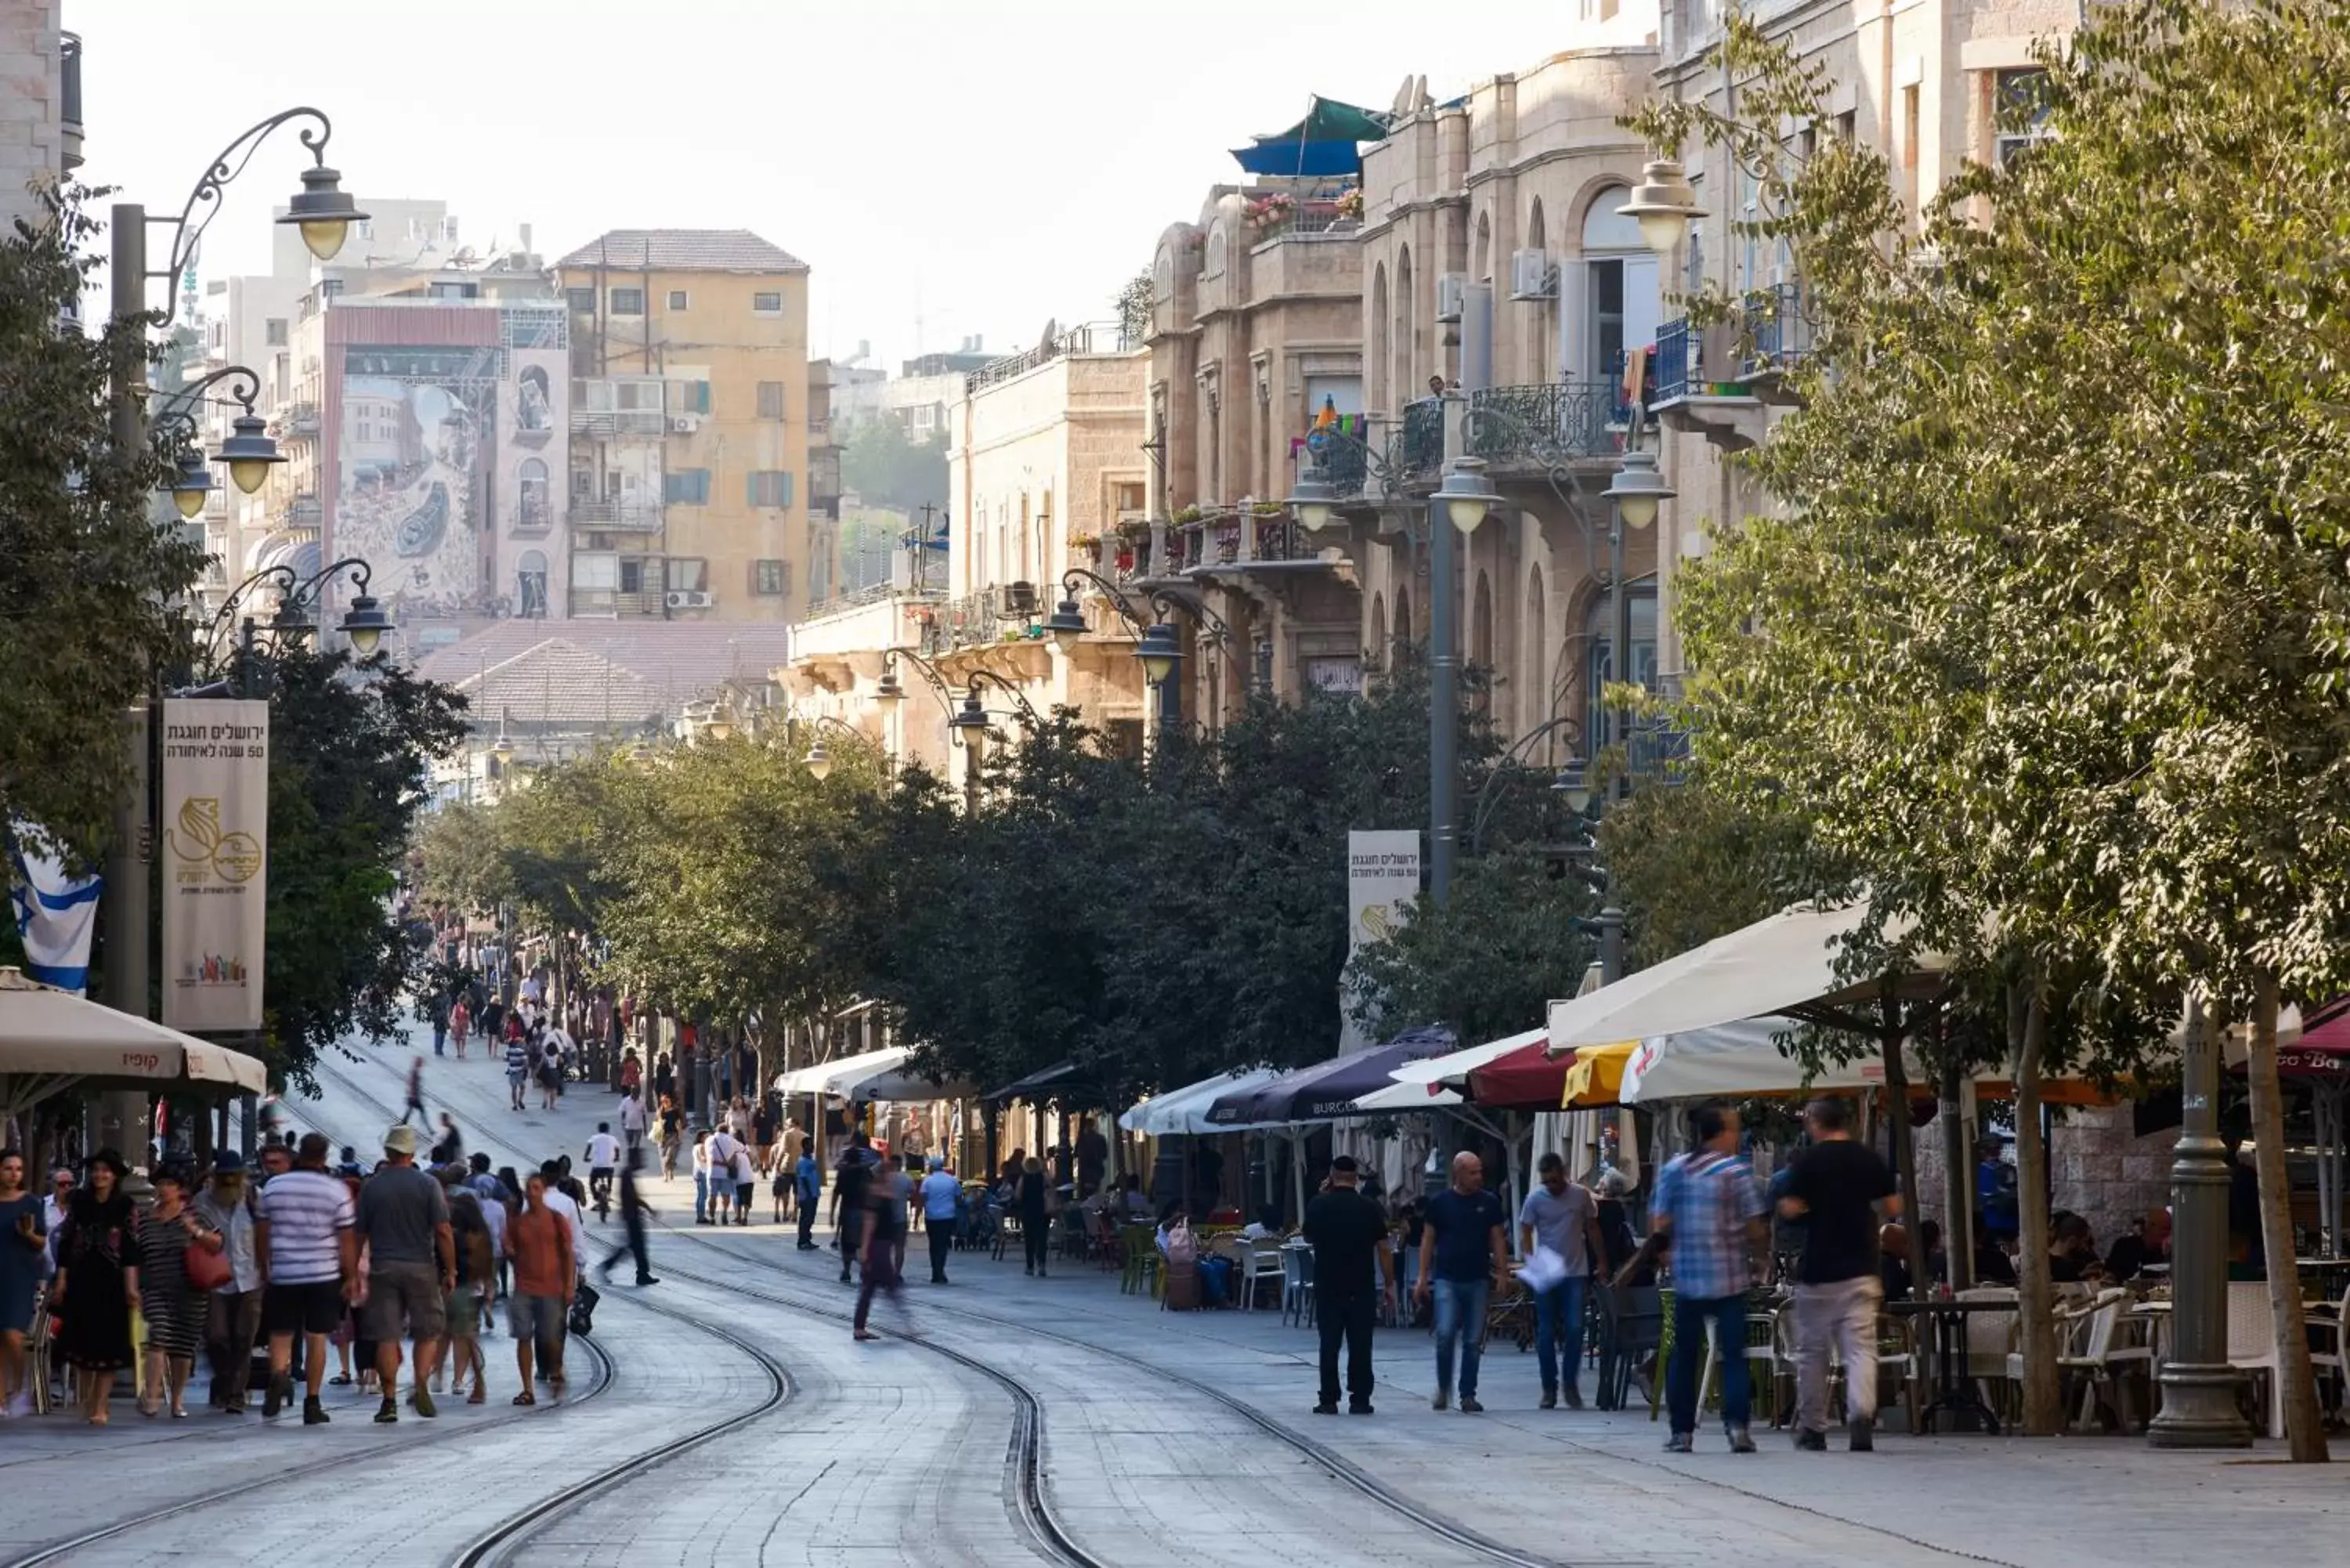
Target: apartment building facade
[[688, 486], [40, 82], [1255, 342]]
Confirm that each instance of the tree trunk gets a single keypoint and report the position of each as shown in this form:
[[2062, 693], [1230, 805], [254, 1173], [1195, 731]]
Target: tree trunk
[[1905, 1142], [2296, 1387], [2044, 1412]]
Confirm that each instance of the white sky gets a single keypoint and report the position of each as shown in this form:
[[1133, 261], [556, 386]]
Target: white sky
[[985, 163]]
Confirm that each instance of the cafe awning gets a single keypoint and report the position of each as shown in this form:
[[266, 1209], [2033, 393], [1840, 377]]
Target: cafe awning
[[1323, 143], [1327, 1090], [1069, 1080], [1454, 1067], [1185, 1110], [836, 1077], [51, 1041], [1785, 961]]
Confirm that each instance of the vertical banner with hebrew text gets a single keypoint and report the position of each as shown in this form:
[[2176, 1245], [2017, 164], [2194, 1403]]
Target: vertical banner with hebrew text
[[215, 838]]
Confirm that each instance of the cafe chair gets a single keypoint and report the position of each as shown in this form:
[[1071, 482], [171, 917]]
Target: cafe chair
[[2251, 1343], [1298, 1286], [2325, 1324]]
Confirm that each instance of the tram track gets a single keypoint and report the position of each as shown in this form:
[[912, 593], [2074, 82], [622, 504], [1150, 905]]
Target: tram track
[[1026, 1458], [57, 1551]]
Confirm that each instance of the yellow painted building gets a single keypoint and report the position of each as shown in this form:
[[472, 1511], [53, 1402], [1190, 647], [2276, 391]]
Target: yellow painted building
[[689, 486]]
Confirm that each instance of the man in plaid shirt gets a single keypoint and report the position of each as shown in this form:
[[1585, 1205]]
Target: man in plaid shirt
[[1709, 1210]]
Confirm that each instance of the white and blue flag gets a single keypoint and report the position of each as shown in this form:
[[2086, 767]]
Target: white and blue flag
[[54, 916]]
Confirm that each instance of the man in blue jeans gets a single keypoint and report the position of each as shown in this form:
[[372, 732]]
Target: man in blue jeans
[[1463, 1248], [1564, 1218], [1708, 1210]]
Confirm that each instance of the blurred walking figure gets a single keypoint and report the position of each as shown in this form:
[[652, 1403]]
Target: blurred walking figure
[[885, 1239], [633, 1210], [416, 1095], [1707, 1208], [1842, 1189]]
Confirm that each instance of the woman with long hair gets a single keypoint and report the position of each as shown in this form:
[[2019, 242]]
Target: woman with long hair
[[96, 1287]]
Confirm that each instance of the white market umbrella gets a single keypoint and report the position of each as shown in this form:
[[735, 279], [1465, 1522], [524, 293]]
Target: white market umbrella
[[1454, 1068], [52, 1040], [1185, 1110], [823, 1077], [1784, 962]]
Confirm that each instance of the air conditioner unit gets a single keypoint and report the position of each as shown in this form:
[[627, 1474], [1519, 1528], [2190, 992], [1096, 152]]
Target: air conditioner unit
[[1531, 276], [1451, 295], [695, 598], [684, 424], [676, 599]]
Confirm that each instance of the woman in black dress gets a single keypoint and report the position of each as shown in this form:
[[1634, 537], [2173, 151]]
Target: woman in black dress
[[96, 1287], [1036, 1226]]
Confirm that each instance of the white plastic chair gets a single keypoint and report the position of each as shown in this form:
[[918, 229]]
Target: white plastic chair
[[1991, 1343], [2329, 1360], [1297, 1285], [2252, 1342], [1256, 1264]]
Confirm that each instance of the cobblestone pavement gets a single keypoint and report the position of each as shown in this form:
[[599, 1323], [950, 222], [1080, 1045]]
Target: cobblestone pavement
[[891, 1453]]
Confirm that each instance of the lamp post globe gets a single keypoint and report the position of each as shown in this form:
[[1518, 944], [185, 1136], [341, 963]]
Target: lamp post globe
[[249, 452], [191, 482], [1066, 625], [1314, 502], [324, 212], [1664, 203], [1574, 782], [888, 692], [364, 623], [1160, 654], [1637, 488], [1468, 495], [819, 760]]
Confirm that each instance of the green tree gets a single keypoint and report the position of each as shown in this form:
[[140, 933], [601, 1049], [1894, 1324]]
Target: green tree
[[83, 623], [2051, 624], [462, 859], [1488, 963], [350, 749], [886, 467]]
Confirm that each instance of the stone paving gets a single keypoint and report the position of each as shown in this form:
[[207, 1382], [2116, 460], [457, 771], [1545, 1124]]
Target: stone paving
[[890, 1453]]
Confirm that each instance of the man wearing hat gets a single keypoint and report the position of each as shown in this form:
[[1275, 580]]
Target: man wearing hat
[[941, 1196], [1354, 1268], [403, 1218], [233, 1312]]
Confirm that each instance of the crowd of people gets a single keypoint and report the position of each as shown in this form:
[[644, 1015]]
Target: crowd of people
[[319, 1264]]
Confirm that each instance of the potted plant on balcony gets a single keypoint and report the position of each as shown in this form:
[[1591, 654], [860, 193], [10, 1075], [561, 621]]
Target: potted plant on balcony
[[1268, 212], [1088, 545], [1187, 515], [1350, 203], [1132, 530]]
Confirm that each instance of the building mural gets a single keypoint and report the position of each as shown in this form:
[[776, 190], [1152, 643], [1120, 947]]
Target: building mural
[[448, 425], [412, 487]]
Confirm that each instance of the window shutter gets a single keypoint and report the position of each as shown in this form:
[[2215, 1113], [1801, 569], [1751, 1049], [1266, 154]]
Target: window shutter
[[783, 488]]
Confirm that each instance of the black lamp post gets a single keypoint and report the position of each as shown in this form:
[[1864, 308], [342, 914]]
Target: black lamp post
[[324, 213]]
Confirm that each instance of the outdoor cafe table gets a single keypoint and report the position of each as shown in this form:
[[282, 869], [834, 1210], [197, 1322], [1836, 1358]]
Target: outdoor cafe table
[[1954, 1393]]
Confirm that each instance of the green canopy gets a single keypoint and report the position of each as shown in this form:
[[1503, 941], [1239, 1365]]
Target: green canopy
[[1321, 144], [1329, 120]]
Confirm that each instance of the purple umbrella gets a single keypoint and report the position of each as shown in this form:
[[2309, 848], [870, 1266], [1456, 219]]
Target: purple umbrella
[[1326, 1089]]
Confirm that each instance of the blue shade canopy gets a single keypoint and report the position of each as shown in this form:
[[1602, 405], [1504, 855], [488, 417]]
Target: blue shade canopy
[[1326, 1089], [1323, 143]]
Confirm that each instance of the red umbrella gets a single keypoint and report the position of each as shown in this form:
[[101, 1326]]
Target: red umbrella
[[1527, 1079]]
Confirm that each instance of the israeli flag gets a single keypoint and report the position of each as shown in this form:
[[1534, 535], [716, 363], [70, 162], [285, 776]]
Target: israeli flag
[[55, 914]]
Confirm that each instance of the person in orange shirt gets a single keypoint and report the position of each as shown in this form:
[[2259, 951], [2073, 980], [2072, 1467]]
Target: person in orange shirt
[[545, 1272]]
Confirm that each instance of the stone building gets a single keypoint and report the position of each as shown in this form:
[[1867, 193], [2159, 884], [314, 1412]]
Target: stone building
[[1044, 460], [688, 486], [1255, 336], [40, 86]]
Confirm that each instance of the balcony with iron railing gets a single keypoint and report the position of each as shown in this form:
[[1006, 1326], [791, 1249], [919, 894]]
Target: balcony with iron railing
[[630, 515], [299, 421], [306, 511], [1421, 444], [1778, 327], [609, 424], [1088, 339], [1264, 535], [1543, 427]]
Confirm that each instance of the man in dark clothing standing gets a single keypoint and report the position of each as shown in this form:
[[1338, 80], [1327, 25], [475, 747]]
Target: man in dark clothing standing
[[1353, 1266], [1843, 1190], [1463, 1249], [852, 1188]]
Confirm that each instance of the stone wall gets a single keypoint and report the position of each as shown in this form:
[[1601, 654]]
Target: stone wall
[[2097, 1167], [31, 145]]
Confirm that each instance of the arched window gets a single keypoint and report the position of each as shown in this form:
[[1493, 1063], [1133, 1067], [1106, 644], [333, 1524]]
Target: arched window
[[1533, 664], [1407, 384], [1541, 352], [1403, 616], [1620, 297], [1481, 264], [533, 507], [1481, 632], [1376, 654], [1599, 666], [1379, 399], [530, 586]]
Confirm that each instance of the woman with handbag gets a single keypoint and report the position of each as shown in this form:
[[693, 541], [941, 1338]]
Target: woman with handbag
[[180, 1261], [97, 1285]]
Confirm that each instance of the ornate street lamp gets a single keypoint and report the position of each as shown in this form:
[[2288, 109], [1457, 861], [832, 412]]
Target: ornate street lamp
[[819, 760], [1637, 487], [1574, 782], [1160, 654], [1315, 501], [1664, 203], [191, 482], [1466, 494]]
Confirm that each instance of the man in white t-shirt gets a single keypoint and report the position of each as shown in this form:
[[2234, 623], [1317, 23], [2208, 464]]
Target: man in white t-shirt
[[560, 1202], [603, 1162], [633, 1117], [723, 1177]]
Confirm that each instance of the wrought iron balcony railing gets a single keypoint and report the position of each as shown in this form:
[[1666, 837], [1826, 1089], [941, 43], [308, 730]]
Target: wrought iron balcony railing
[[1563, 422], [1778, 323], [1673, 374], [1422, 445]]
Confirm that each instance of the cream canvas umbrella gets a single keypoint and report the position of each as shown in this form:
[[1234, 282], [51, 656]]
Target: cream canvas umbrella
[[51, 1041]]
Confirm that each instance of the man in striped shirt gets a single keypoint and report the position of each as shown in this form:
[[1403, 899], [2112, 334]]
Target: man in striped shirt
[[517, 1069], [305, 1249]]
